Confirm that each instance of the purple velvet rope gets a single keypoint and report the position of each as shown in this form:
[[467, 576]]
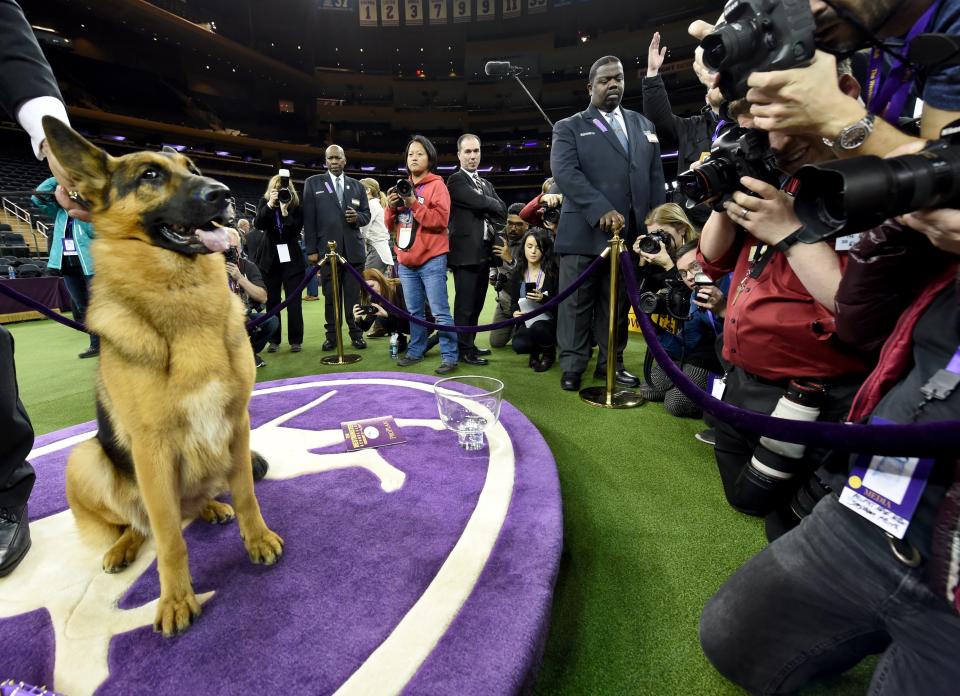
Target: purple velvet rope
[[42, 308], [561, 296], [916, 440], [295, 295]]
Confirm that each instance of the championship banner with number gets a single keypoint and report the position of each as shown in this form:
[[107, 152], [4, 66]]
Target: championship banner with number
[[339, 5], [368, 13], [413, 12], [486, 10], [536, 6], [511, 9], [462, 11], [390, 13], [438, 11]]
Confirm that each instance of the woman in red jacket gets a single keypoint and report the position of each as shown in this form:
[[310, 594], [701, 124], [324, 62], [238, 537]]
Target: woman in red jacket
[[419, 224]]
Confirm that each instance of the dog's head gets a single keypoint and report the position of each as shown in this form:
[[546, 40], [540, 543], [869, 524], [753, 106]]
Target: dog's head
[[156, 197]]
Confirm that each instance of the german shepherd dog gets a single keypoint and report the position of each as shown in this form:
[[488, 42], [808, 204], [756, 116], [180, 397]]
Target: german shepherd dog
[[176, 370]]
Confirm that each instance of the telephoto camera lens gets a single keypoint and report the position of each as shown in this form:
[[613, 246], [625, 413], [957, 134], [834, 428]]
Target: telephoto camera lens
[[768, 480], [404, 188], [737, 153], [284, 196], [650, 243]]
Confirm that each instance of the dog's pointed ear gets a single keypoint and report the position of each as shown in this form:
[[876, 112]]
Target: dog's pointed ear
[[82, 161], [168, 150]]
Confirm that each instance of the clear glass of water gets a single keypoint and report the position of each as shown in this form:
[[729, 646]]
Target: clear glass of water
[[468, 406]]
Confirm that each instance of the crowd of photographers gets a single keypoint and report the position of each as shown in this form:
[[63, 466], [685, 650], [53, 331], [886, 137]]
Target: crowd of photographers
[[808, 268]]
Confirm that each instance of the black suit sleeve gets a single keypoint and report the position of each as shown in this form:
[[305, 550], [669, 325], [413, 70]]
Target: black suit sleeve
[[464, 194], [310, 232], [656, 107], [658, 191], [24, 72]]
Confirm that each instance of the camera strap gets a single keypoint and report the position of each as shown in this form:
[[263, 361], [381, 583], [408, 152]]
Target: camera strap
[[943, 383], [887, 97]]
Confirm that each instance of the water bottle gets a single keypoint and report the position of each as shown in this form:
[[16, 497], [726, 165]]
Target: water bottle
[[11, 272], [394, 345]]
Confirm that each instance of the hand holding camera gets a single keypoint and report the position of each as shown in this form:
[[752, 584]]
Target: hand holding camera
[[654, 248], [273, 198], [502, 249], [709, 296], [394, 200], [233, 271], [768, 215], [361, 312], [940, 226]]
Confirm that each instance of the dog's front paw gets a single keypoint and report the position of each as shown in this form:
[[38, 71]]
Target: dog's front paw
[[175, 614], [265, 548], [216, 512]]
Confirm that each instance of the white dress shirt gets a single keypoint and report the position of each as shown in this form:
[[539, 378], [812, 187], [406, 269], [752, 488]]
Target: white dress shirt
[[30, 116]]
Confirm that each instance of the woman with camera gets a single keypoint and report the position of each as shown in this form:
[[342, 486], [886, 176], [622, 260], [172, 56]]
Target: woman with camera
[[281, 261], [369, 313], [534, 282], [418, 213], [668, 228]]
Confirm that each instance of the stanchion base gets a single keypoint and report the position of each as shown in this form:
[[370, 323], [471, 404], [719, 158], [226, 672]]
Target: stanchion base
[[620, 398], [335, 359]]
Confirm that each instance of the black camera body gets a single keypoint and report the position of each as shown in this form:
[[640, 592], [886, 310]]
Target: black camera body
[[551, 216], [232, 255], [501, 282], [650, 242], [404, 188], [672, 300], [852, 195], [758, 36], [368, 310], [737, 153]]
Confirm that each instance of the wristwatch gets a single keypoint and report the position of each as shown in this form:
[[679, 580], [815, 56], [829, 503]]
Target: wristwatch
[[854, 135], [788, 241]]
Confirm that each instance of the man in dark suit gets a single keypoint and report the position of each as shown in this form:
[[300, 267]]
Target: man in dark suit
[[475, 212], [606, 161], [28, 92], [335, 207]]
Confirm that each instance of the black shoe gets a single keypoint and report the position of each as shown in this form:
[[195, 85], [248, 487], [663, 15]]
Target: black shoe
[[621, 377], [474, 359], [708, 436], [328, 345], [14, 538], [258, 361], [534, 359], [546, 362], [446, 368], [570, 381], [295, 347], [407, 361], [483, 352], [90, 352], [358, 343]]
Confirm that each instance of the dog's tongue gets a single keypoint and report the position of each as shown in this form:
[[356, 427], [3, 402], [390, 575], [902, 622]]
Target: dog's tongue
[[215, 239]]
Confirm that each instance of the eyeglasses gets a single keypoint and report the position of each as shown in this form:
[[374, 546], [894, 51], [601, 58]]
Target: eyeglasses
[[691, 271]]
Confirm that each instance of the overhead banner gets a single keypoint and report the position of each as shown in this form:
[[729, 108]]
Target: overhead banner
[[390, 13], [511, 9], [462, 11], [536, 6], [486, 10], [368, 13], [438, 11], [413, 12], [340, 5]]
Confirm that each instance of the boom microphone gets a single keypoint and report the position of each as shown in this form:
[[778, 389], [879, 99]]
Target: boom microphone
[[496, 68]]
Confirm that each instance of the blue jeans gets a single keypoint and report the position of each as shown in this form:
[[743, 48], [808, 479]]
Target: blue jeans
[[428, 283], [261, 334], [821, 598]]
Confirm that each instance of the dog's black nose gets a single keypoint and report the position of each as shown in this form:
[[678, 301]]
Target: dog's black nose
[[214, 192]]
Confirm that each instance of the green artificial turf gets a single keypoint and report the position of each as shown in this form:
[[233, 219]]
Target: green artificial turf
[[648, 535]]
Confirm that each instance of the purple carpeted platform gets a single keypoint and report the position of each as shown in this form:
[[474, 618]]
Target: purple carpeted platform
[[417, 568]]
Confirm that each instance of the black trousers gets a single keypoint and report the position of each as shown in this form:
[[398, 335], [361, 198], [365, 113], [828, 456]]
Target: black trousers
[[470, 285], [16, 474], [349, 296], [734, 448], [585, 315], [538, 338], [282, 275]]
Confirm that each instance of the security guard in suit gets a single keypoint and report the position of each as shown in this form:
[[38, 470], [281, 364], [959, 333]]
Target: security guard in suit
[[606, 162], [335, 207]]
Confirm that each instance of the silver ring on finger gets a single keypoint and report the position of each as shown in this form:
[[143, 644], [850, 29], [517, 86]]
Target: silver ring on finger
[[744, 212]]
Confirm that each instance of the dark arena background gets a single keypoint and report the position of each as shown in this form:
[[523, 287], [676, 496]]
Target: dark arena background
[[572, 558]]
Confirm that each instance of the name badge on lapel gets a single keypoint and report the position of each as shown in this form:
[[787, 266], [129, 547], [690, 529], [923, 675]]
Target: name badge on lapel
[[69, 247], [651, 137], [355, 201]]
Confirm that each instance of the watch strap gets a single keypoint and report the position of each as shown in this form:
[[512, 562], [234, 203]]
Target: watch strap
[[788, 241]]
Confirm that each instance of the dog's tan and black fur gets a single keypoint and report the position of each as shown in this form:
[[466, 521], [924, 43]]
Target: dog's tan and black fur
[[176, 369]]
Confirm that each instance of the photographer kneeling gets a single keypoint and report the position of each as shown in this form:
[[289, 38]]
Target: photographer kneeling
[[368, 313], [245, 280], [534, 282], [687, 319]]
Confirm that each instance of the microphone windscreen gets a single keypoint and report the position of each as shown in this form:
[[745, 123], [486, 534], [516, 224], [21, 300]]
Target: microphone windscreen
[[497, 67]]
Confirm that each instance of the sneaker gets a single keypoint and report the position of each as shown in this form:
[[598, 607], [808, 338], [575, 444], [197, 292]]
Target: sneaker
[[407, 361], [295, 348], [90, 352], [311, 298], [708, 436], [258, 361], [446, 368], [273, 347]]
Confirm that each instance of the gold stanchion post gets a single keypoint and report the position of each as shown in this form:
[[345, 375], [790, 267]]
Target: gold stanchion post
[[609, 396], [333, 259]]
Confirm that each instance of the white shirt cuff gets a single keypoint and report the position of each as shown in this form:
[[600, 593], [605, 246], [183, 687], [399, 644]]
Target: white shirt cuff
[[31, 113]]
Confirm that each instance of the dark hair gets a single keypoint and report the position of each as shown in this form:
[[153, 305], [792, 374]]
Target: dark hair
[[467, 136], [606, 60], [515, 208], [686, 248], [428, 148], [545, 241]]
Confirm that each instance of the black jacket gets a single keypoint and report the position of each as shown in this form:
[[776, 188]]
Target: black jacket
[[323, 217], [25, 74], [515, 286], [288, 233], [469, 208], [693, 135], [392, 323]]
